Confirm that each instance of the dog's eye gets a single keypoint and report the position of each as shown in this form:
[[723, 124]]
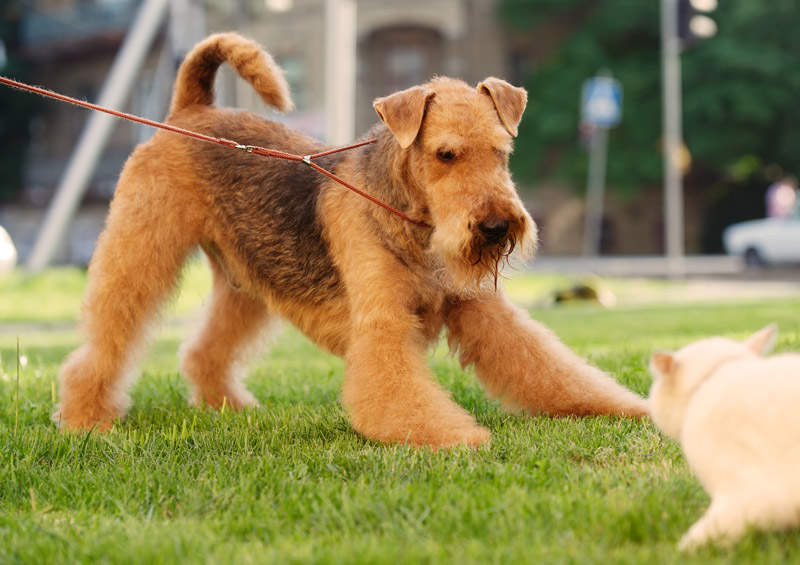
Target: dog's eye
[[446, 156]]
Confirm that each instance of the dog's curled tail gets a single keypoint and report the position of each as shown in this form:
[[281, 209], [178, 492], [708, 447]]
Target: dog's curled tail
[[195, 82]]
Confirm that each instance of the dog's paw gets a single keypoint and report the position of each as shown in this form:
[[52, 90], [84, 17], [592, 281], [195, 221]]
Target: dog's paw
[[475, 436], [433, 434], [243, 399], [446, 437], [77, 423], [229, 400]]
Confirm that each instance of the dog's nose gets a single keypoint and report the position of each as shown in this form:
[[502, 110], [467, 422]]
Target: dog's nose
[[493, 229]]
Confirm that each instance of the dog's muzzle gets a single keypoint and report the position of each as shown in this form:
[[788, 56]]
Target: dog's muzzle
[[494, 230]]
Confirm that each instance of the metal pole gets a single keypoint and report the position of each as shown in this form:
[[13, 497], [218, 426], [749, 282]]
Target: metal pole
[[673, 139], [595, 192], [98, 128], [340, 70], [157, 99]]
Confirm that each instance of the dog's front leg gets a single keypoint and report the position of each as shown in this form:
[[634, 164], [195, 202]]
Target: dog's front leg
[[391, 395], [389, 392], [527, 366]]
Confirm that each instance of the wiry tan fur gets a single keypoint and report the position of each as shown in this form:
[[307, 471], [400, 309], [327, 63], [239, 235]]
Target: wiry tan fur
[[287, 242], [735, 413]]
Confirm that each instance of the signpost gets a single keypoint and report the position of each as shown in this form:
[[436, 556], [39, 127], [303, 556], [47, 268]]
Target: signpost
[[601, 109], [673, 139]]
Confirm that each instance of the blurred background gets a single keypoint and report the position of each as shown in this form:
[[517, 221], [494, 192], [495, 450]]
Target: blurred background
[[738, 80]]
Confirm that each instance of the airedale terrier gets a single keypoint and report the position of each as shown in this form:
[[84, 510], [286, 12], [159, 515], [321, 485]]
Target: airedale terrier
[[284, 241]]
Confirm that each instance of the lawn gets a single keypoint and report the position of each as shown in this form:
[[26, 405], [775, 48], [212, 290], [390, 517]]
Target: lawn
[[291, 482]]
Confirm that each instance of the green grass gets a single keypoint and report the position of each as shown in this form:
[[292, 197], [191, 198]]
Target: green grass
[[291, 482], [55, 298]]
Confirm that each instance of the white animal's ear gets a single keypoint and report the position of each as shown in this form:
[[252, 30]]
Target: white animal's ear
[[663, 364], [762, 342]]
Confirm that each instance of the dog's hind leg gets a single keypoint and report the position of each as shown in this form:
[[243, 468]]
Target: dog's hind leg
[[526, 366], [148, 234], [213, 359]]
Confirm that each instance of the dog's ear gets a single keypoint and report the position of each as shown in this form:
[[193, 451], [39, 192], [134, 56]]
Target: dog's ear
[[762, 342], [663, 365], [509, 100], [402, 112]]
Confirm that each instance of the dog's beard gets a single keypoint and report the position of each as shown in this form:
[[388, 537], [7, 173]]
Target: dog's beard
[[488, 260], [466, 264]]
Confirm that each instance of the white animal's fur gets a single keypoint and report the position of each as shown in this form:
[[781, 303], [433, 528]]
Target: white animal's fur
[[736, 414]]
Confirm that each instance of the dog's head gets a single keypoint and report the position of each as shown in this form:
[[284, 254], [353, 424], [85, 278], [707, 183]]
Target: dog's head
[[458, 140]]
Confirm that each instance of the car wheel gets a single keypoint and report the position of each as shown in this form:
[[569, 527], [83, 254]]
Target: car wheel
[[752, 258]]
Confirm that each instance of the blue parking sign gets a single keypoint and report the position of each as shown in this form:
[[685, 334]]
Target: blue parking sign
[[601, 101]]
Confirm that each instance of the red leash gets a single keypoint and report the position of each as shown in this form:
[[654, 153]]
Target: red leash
[[307, 159]]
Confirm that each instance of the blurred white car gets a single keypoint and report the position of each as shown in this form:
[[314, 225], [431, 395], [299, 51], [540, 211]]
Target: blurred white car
[[761, 242]]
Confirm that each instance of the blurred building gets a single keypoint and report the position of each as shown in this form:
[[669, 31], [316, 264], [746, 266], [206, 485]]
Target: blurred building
[[69, 46], [399, 44]]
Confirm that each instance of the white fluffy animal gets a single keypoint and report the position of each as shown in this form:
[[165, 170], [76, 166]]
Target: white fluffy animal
[[736, 415]]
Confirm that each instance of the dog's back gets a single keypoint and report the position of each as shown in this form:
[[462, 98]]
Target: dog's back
[[268, 204]]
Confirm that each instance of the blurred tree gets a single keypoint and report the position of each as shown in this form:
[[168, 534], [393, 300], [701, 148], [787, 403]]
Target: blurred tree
[[740, 91], [17, 107]]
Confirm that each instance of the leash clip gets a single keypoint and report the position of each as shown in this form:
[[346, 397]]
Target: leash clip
[[245, 148], [307, 160]]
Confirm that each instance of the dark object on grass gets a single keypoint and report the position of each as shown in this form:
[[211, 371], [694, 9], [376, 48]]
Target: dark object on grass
[[585, 292]]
